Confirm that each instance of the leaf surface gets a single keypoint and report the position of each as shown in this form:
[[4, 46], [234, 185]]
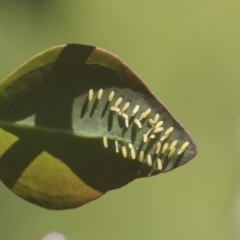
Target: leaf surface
[[76, 122]]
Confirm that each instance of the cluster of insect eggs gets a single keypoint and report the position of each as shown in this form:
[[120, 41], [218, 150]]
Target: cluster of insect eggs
[[155, 127]]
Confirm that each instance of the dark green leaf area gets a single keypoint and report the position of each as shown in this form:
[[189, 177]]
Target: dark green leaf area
[[78, 118]]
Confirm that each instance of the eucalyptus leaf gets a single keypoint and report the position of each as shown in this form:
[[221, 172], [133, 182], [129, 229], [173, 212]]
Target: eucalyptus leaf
[[76, 122]]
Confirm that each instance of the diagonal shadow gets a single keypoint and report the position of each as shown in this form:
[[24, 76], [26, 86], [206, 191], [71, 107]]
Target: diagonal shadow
[[51, 101]]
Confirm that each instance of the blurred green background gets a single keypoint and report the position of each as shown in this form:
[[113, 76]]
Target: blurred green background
[[188, 52]]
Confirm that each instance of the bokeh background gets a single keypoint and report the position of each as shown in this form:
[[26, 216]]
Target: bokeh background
[[188, 52]]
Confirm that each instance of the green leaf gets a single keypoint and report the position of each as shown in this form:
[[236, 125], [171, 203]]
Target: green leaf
[[71, 129]]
